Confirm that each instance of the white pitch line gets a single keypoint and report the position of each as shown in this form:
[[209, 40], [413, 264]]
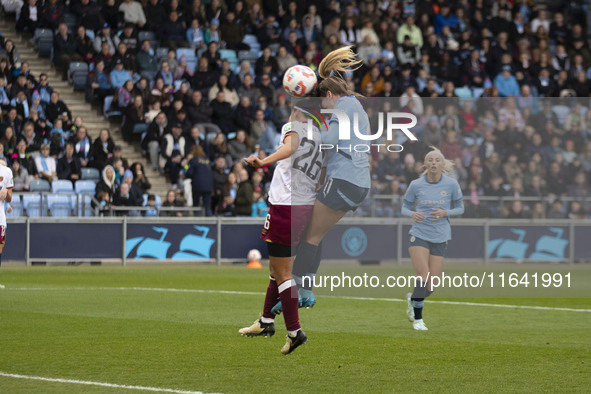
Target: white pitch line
[[172, 290], [100, 384]]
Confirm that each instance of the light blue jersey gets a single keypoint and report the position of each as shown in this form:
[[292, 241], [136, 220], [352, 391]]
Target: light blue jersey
[[344, 163], [427, 196]]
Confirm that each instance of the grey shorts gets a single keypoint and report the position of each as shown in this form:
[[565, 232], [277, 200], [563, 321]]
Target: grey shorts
[[435, 248]]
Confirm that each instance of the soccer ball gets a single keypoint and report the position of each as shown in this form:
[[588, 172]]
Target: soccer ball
[[254, 255], [299, 81]]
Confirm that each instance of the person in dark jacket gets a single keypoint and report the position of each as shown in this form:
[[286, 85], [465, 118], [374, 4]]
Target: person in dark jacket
[[102, 149], [68, 166], [88, 14], [153, 139], [57, 107], [172, 31], [25, 22], [244, 197], [64, 50], [197, 110], [51, 14], [172, 201], [201, 177]]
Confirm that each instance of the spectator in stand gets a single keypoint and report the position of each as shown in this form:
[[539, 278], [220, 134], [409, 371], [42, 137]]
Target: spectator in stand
[[25, 159], [233, 33], [205, 76], [133, 13], [153, 139], [172, 202], [84, 45], [51, 14], [147, 65], [21, 177], [130, 38], [102, 149], [135, 121], [106, 37], [263, 133], [230, 95], [155, 14], [68, 166], [139, 177], [240, 147], [123, 198], [506, 83], [411, 30], [556, 211], [517, 211], [29, 17], [89, 15], [82, 146], [244, 195], [119, 76], [199, 172], [172, 150], [172, 32], [223, 114], [57, 107], [195, 36], [244, 113], [64, 50], [98, 84], [46, 167]]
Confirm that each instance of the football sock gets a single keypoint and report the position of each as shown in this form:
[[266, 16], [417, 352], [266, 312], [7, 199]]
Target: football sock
[[314, 267], [293, 333], [421, 290], [288, 292], [417, 304], [305, 262], [267, 320], [270, 299]]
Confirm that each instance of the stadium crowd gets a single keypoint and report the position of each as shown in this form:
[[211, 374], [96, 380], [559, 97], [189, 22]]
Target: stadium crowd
[[501, 87]]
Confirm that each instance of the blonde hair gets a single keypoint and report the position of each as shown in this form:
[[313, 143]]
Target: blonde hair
[[331, 68], [448, 167]]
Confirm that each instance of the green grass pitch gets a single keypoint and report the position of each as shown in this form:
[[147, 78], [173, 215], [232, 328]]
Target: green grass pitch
[[65, 322]]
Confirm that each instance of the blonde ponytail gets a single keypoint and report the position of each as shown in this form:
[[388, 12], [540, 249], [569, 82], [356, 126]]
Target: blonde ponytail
[[338, 61], [330, 68]]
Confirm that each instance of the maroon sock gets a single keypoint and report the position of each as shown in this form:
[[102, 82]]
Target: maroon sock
[[288, 292], [270, 298]]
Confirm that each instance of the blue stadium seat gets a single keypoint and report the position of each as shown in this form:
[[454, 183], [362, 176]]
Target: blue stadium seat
[[17, 207], [150, 36], [230, 55], [44, 42], [39, 185], [60, 205], [71, 21], [158, 201], [161, 54], [85, 186], [189, 53], [90, 34], [32, 204], [61, 185], [77, 75], [91, 173], [252, 42], [107, 108], [463, 92], [85, 205], [248, 56]]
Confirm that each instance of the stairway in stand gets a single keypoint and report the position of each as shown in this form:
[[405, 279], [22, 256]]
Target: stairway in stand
[[93, 120]]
